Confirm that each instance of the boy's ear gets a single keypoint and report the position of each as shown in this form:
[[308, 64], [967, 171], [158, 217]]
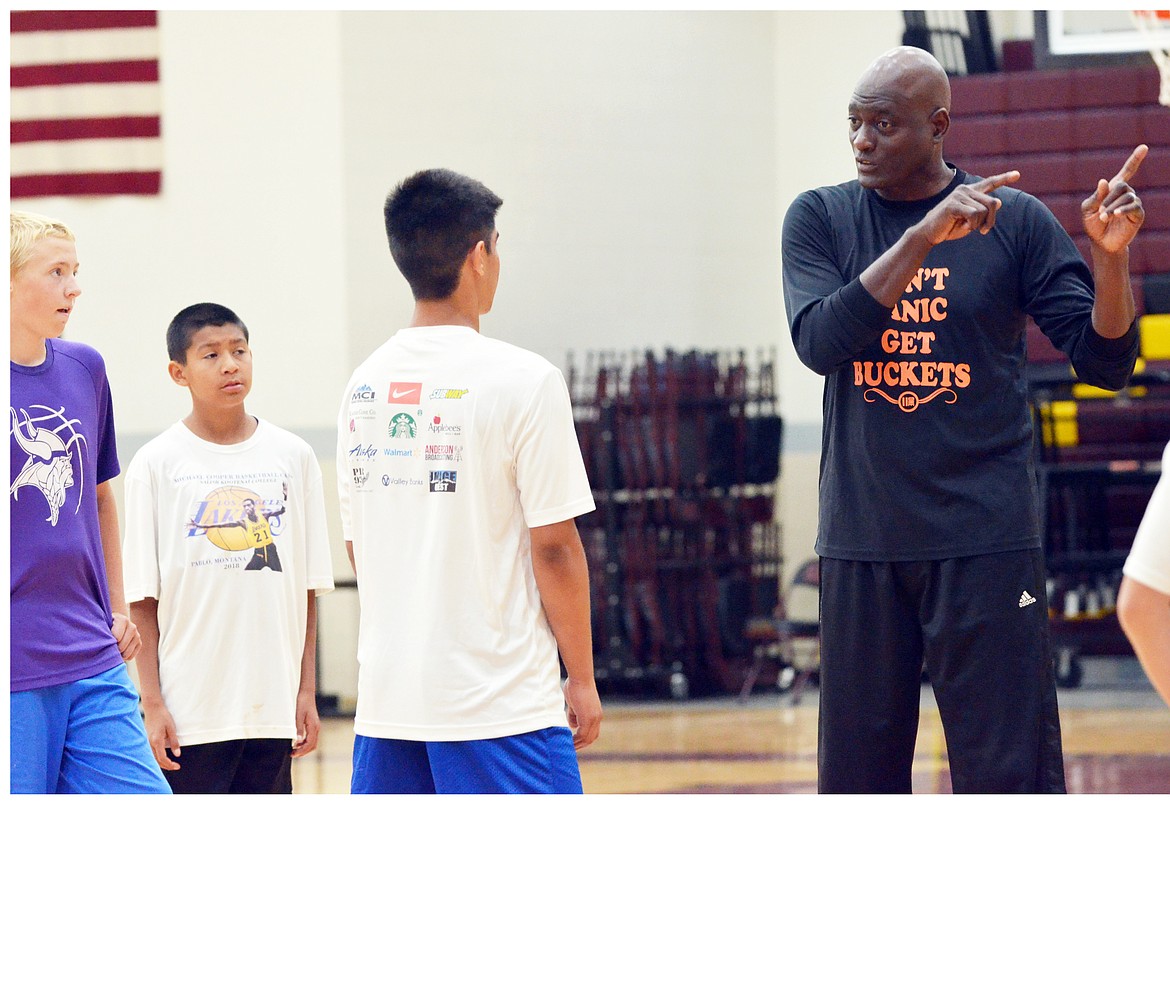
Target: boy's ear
[[177, 373], [478, 258]]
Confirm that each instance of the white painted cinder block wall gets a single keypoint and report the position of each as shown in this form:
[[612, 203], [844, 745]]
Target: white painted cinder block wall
[[645, 160]]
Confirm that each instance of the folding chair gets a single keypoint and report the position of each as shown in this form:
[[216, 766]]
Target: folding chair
[[791, 640]]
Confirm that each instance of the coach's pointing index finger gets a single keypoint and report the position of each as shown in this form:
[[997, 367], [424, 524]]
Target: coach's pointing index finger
[[1132, 163], [996, 180]]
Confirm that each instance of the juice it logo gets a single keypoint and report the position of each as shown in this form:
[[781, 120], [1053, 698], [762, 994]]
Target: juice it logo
[[443, 481]]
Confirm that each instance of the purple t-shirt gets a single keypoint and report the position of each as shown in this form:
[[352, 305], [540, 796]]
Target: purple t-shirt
[[61, 431]]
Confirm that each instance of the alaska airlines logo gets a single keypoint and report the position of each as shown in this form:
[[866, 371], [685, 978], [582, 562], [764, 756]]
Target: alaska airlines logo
[[49, 442], [898, 380], [363, 452], [405, 394], [403, 427]]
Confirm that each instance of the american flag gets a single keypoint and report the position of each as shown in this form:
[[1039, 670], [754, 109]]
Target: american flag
[[85, 103]]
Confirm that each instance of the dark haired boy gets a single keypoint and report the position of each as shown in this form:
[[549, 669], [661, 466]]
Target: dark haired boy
[[228, 662], [460, 477]]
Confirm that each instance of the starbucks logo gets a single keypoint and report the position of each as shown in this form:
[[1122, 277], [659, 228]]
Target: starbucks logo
[[403, 427]]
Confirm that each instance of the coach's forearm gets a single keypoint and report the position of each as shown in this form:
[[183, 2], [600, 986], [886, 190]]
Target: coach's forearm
[[887, 278], [1113, 303]]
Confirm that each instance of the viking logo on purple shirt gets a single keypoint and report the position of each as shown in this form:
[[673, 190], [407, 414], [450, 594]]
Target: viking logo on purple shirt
[[48, 440]]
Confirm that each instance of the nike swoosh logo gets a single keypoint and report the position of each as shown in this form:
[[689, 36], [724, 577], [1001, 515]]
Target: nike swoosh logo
[[399, 394]]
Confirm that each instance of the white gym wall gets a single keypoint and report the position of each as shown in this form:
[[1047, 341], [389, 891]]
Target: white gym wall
[[645, 160]]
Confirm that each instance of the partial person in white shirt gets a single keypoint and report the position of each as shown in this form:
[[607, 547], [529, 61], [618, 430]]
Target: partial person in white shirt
[[1143, 602]]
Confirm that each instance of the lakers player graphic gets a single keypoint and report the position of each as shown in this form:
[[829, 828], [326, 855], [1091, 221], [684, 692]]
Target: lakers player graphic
[[257, 532]]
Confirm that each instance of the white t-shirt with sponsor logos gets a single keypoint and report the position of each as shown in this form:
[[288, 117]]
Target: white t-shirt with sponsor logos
[[450, 446], [1149, 558], [229, 538]]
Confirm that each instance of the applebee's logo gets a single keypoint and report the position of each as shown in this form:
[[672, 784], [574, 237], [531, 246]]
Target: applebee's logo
[[437, 425]]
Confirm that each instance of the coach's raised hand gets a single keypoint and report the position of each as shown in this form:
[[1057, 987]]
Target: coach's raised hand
[[1113, 214], [969, 208]]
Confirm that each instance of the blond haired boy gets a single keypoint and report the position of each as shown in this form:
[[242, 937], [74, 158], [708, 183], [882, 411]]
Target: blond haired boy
[[75, 723]]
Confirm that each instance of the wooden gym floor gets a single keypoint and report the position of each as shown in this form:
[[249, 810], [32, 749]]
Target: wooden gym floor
[[1116, 733]]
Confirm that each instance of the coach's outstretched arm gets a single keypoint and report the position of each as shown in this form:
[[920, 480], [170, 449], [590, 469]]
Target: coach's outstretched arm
[[562, 577], [967, 210], [833, 321]]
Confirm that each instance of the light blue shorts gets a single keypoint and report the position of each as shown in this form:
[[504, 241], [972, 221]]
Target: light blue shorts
[[82, 737], [541, 762]]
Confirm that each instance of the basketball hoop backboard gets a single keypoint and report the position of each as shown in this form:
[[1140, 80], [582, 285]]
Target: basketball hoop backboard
[[1094, 32]]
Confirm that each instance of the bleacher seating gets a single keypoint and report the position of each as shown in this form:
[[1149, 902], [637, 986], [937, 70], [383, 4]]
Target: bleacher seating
[[1098, 451], [1063, 130]]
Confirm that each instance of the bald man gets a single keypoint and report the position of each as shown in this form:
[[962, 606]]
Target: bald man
[[908, 290]]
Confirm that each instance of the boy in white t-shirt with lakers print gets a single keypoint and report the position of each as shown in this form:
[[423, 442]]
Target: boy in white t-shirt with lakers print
[[226, 552]]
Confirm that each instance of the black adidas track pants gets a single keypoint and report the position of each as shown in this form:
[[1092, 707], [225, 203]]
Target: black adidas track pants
[[978, 626]]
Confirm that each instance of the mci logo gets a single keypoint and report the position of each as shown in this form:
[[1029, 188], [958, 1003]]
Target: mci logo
[[364, 393], [443, 481]]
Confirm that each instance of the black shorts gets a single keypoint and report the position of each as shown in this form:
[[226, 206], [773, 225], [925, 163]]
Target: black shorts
[[255, 767], [978, 627]]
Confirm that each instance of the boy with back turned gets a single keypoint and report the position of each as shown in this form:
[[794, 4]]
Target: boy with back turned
[[460, 477]]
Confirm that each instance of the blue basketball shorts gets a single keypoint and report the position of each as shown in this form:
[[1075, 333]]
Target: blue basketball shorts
[[540, 762], [83, 737]]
